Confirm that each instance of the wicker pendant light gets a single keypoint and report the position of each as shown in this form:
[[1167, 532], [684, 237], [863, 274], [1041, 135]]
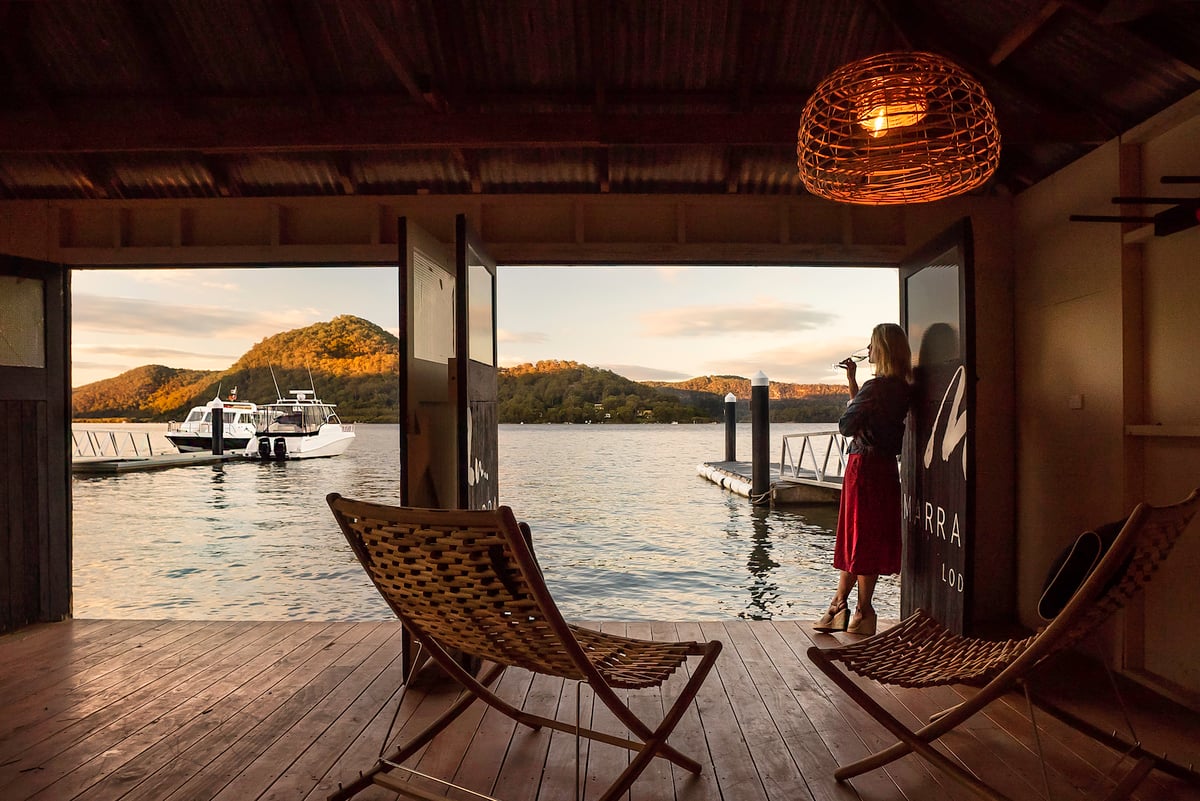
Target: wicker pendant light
[[897, 128]]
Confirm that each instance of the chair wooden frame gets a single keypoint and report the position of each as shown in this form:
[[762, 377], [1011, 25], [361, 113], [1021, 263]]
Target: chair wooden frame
[[920, 652], [467, 582]]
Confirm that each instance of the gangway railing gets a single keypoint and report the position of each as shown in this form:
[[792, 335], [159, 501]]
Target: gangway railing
[[808, 456], [110, 444]]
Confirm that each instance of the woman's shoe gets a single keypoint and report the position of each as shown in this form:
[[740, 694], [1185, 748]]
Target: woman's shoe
[[836, 619], [866, 623]]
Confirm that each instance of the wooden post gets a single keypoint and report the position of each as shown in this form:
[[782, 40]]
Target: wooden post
[[731, 427], [760, 439]]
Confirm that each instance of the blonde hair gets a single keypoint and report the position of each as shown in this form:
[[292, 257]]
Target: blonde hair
[[890, 351]]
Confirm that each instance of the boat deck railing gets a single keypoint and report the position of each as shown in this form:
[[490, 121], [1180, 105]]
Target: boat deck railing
[[819, 453], [110, 444]]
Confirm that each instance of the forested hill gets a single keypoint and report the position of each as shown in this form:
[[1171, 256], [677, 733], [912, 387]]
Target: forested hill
[[569, 392], [353, 363], [740, 387], [559, 392], [790, 403]]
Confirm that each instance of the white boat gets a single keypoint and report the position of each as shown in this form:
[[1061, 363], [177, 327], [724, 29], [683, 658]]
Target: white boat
[[300, 427], [195, 432]]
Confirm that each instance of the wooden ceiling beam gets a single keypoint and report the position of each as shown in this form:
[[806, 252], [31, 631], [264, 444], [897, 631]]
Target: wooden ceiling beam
[[416, 85], [295, 51], [247, 133], [598, 54], [468, 162], [1135, 20], [752, 20], [22, 82], [603, 171], [1023, 32], [931, 33], [180, 98]]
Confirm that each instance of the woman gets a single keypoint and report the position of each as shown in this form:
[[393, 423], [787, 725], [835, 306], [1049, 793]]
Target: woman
[[868, 530]]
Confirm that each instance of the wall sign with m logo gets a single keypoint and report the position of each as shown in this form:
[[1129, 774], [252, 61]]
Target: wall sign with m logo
[[937, 464]]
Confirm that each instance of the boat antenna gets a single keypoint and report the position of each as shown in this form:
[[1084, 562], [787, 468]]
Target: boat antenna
[[310, 380], [278, 394]]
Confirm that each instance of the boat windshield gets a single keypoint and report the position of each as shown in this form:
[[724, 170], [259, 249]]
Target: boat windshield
[[195, 416], [289, 419]]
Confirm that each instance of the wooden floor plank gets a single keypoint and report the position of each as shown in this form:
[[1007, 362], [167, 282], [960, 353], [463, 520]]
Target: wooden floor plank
[[367, 661], [689, 737], [195, 708], [426, 695], [848, 733], [274, 711], [263, 687], [773, 760], [326, 747], [656, 780], [257, 727], [490, 744], [606, 762], [520, 775], [731, 754], [84, 686], [54, 646], [771, 663], [203, 706], [108, 739], [1082, 759], [93, 724]]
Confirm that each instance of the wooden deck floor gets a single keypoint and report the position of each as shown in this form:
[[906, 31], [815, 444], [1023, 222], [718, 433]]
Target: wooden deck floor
[[101, 710]]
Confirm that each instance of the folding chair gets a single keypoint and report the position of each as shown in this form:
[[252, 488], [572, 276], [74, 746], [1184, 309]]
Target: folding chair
[[920, 652], [467, 581]]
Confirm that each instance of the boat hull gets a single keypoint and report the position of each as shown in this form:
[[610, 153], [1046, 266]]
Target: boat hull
[[331, 440], [192, 443]]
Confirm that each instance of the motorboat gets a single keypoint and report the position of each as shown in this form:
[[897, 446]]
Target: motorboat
[[195, 432], [299, 427]]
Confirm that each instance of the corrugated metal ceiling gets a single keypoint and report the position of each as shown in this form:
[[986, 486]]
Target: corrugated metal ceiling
[[178, 98]]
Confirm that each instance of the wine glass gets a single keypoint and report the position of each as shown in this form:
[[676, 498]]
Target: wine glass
[[857, 356]]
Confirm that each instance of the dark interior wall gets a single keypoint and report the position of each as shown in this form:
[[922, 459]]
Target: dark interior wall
[[35, 530]]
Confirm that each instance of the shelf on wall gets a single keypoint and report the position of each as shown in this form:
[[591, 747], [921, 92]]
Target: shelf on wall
[[1163, 431]]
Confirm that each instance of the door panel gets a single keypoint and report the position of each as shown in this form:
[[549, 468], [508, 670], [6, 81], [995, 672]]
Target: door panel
[[428, 438], [35, 465], [478, 438]]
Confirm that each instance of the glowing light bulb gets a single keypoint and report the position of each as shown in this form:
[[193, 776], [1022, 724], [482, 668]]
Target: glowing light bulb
[[881, 117]]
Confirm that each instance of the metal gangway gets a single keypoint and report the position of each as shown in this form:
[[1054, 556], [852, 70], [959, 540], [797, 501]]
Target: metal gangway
[[817, 458], [95, 444]]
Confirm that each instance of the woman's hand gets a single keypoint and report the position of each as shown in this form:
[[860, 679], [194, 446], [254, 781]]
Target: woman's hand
[[850, 366]]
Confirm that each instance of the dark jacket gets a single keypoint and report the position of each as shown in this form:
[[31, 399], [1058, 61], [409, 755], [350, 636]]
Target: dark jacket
[[875, 418]]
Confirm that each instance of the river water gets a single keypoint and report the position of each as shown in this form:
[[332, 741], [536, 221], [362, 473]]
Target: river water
[[624, 527]]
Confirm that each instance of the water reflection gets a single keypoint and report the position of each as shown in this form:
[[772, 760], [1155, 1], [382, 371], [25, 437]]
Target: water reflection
[[217, 485], [764, 593]]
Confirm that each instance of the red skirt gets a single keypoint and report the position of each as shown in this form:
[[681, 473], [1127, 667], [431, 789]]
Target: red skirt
[[868, 528]]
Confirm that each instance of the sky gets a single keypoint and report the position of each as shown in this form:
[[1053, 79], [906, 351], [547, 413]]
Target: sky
[[645, 323]]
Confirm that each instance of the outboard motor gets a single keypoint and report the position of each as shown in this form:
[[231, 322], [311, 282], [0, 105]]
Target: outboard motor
[[264, 447], [280, 448]]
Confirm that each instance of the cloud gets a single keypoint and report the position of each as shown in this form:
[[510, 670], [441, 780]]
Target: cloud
[[520, 337], [794, 363], [637, 372], [695, 321], [147, 355], [118, 315]]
